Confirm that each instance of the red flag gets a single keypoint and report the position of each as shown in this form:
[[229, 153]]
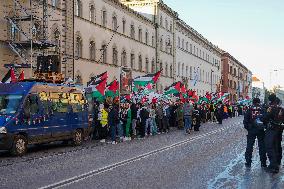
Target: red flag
[[156, 76], [101, 87], [22, 76], [113, 86], [183, 89], [13, 76]]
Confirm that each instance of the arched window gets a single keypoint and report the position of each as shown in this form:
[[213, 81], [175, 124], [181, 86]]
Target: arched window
[[153, 66], [140, 34], [182, 70], [186, 71], [114, 56], [132, 61], [146, 37], [114, 23], [161, 44], [140, 63], [161, 21], [178, 70], [104, 53], [147, 65], [166, 23], [79, 47], [166, 69], [92, 51], [186, 46], [182, 44], [178, 42], [104, 18], [132, 31], [78, 8], [123, 25], [171, 71], [123, 58], [153, 40], [92, 13]]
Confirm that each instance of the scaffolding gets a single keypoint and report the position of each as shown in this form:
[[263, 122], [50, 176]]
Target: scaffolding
[[28, 35]]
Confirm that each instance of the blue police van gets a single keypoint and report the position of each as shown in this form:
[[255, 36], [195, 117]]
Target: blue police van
[[36, 113]]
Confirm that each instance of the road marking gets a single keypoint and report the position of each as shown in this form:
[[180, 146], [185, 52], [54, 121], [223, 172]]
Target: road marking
[[95, 172]]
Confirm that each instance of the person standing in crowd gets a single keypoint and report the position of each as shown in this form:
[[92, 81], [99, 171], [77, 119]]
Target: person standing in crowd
[[134, 111], [148, 121], [143, 116], [154, 129], [212, 112], [113, 120], [180, 117], [187, 113], [220, 112], [128, 121], [196, 118], [274, 119], [166, 115], [254, 131], [103, 117], [236, 111], [96, 121], [160, 115]]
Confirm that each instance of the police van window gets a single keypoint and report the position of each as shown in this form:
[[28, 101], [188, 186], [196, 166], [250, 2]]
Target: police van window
[[59, 102], [44, 98], [9, 103], [77, 102], [31, 106]]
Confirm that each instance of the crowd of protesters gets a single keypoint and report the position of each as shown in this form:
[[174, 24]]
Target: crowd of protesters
[[126, 121]]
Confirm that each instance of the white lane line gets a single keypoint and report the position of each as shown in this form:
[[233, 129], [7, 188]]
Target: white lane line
[[95, 172]]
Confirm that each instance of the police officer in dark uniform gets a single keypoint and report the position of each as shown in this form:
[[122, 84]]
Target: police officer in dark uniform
[[273, 119], [254, 131], [220, 112]]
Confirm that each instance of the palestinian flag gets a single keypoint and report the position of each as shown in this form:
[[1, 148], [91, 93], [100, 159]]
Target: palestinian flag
[[145, 80], [112, 89], [183, 91], [10, 77], [173, 89], [97, 90], [97, 78]]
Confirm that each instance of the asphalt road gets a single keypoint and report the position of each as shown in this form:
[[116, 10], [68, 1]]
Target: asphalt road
[[211, 158]]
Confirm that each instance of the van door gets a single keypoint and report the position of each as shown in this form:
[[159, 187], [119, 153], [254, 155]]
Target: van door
[[33, 120]]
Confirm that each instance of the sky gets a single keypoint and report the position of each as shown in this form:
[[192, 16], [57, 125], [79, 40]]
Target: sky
[[250, 30]]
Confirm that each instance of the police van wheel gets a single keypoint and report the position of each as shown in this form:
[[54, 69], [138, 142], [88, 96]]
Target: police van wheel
[[19, 147], [78, 137]]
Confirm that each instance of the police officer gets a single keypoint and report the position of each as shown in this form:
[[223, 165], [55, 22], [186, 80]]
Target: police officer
[[254, 131], [273, 119]]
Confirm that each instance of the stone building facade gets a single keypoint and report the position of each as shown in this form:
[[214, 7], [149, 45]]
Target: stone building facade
[[94, 36], [236, 78]]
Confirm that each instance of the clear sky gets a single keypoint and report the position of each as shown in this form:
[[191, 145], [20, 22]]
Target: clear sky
[[250, 30]]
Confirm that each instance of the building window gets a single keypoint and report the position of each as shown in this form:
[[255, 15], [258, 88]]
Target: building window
[[114, 23], [114, 56], [153, 66], [92, 13], [191, 48], [78, 8], [161, 66], [146, 37], [178, 70], [186, 46], [92, 51], [171, 71], [123, 26], [171, 27], [132, 60], [153, 40], [132, 32], [166, 23], [104, 53], [104, 18], [79, 47], [166, 70], [182, 70], [123, 59], [178, 42], [190, 72], [186, 71], [194, 50], [140, 34], [140, 63], [147, 65], [161, 21], [182, 44], [161, 44]]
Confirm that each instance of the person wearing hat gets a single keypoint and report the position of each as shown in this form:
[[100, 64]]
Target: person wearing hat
[[273, 120], [255, 131]]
